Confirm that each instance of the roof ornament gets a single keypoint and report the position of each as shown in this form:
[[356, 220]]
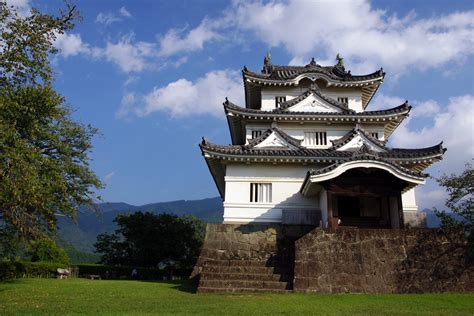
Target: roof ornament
[[312, 62], [340, 61], [267, 62], [204, 141], [268, 59]]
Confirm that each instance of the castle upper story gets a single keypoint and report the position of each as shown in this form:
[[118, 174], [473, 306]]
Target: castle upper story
[[275, 84], [314, 104]]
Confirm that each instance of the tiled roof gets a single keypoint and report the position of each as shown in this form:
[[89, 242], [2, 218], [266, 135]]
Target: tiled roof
[[366, 157], [401, 109], [330, 153], [285, 73]]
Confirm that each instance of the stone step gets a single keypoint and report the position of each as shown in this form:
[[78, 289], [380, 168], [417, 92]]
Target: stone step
[[239, 290], [238, 263], [244, 284], [244, 276], [245, 269]]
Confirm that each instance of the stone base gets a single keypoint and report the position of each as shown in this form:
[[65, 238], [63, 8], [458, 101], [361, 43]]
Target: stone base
[[275, 258], [383, 261]]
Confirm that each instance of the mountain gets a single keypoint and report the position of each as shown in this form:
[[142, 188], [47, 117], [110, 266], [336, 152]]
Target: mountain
[[90, 223]]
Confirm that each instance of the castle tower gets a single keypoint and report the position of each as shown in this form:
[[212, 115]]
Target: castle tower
[[306, 151]]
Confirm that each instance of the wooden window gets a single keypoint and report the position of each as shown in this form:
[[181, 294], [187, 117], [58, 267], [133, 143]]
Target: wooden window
[[261, 192], [279, 100], [374, 135], [315, 139], [344, 100], [256, 133]]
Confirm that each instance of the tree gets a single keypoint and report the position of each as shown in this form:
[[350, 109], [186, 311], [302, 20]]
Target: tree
[[44, 162], [45, 249], [460, 201], [146, 239]]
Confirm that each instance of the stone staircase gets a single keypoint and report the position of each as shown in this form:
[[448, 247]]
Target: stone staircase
[[245, 276], [247, 258]]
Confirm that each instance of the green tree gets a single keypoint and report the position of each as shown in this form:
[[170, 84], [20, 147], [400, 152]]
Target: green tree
[[45, 249], [44, 162], [146, 239], [460, 201]]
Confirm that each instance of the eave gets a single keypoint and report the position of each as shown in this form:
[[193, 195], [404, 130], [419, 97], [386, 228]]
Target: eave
[[238, 116]]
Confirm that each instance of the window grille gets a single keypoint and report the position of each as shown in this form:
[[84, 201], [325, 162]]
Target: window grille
[[261, 192], [374, 134], [256, 133], [279, 100], [344, 100], [315, 138]]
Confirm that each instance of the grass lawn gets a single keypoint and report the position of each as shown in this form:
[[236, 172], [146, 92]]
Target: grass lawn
[[82, 296]]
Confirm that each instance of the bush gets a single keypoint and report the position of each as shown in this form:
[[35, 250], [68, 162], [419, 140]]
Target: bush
[[26, 269], [46, 249]]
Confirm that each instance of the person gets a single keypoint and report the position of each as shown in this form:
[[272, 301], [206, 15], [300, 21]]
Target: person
[[134, 274]]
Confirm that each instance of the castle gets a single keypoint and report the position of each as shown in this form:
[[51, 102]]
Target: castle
[[305, 151]]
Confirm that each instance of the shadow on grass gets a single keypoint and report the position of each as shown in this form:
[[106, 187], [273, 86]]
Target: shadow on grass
[[180, 285]]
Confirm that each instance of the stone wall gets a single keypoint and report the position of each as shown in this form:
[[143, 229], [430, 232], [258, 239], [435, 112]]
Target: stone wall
[[251, 242], [382, 261]]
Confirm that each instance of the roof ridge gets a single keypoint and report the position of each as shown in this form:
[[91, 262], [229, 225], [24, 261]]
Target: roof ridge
[[338, 143]]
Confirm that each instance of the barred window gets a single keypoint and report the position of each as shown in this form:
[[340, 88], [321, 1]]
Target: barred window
[[279, 100], [261, 192], [315, 138], [344, 100], [256, 133], [374, 134]]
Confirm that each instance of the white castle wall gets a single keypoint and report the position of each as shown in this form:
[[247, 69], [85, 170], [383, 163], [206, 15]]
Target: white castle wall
[[269, 93], [286, 180]]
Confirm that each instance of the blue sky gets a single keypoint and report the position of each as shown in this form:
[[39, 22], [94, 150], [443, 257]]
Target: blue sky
[[152, 76]]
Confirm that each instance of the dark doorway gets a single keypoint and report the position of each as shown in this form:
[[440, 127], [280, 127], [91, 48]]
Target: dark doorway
[[348, 206]]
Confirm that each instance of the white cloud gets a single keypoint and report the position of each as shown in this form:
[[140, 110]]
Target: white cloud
[[430, 123], [124, 12], [365, 36], [71, 45], [382, 101], [109, 176], [22, 6], [184, 97], [108, 18], [128, 55], [126, 105], [174, 41]]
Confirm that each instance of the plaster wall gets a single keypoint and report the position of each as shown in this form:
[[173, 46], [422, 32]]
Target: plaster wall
[[286, 181], [354, 95]]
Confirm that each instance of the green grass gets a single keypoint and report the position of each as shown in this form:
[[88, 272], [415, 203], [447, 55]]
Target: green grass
[[81, 296]]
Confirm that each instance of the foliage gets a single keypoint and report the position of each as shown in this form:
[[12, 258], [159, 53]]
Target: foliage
[[21, 269], [9, 242], [124, 272], [87, 297], [77, 256], [146, 239], [460, 201], [27, 42], [44, 163], [45, 249]]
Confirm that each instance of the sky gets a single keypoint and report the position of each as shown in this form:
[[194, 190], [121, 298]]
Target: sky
[[152, 76]]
